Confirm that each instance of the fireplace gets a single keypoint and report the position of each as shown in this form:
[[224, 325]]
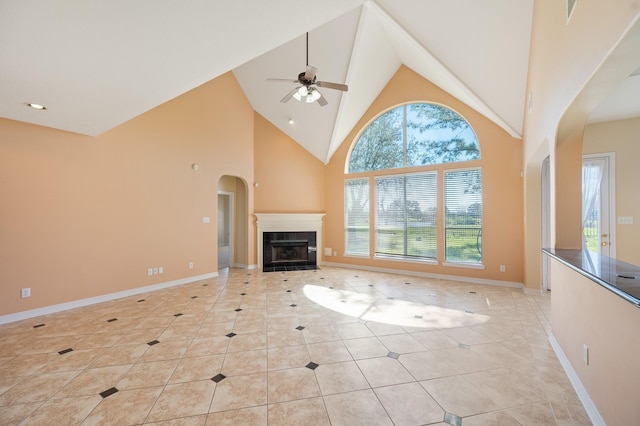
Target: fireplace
[[287, 251], [289, 241]]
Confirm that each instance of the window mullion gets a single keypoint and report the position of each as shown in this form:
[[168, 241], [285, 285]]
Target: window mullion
[[406, 229]]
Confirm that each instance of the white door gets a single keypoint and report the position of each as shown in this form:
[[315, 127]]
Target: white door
[[598, 203], [225, 229], [545, 225]]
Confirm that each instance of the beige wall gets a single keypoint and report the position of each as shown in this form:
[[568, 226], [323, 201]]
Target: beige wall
[[502, 186], [585, 313], [563, 57], [621, 137], [289, 178], [82, 217]]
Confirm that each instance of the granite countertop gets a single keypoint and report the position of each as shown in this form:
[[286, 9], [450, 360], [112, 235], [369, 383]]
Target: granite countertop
[[615, 275]]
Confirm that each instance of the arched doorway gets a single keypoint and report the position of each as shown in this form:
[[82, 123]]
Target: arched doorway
[[232, 222]]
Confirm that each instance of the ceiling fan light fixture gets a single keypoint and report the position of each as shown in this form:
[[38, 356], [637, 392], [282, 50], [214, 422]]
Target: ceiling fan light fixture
[[303, 91], [314, 95], [297, 96]]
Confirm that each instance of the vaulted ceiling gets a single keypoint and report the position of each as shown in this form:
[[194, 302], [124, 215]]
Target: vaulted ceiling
[[95, 65]]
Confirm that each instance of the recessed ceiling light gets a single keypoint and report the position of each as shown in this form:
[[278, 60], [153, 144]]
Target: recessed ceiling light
[[291, 121], [36, 106]]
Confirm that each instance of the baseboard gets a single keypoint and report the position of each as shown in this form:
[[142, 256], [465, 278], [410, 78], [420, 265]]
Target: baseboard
[[587, 402], [510, 284], [244, 266], [18, 316], [534, 291]]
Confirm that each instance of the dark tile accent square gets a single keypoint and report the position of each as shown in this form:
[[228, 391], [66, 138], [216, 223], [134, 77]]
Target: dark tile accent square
[[312, 365], [246, 282], [469, 312], [356, 276], [230, 335], [293, 305], [194, 297], [238, 310], [153, 342], [141, 300], [112, 320], [177, 315], [418, 316], [472, 292], [108, 392], [65, 351], [393, 355], [391, 298], [463, 346], [218, 378], [408, 283], [322, 278], [370, 285], [285, 279], [343, 301], [300, 328], [452, 419], [331, 288], [204, 285], [38, 326], [288, 291], [243, 294]]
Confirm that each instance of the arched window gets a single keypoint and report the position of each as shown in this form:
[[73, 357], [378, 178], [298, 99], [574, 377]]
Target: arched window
[[406, 209], [414, 135]]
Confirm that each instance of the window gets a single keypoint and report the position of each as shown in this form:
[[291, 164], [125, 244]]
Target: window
[[406, 208], [463, 216], [418, 141], [357, 216], [414, 135]]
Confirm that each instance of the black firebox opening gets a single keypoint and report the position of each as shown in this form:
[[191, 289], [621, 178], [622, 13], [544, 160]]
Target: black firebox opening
[[287, 251]]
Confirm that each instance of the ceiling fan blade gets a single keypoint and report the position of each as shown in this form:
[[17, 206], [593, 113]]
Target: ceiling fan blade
[[282, 80], [321, 100], [337, 86], [289, 95], [310, 74]]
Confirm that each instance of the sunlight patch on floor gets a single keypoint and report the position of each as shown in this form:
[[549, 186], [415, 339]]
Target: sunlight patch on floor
[[391, 311]]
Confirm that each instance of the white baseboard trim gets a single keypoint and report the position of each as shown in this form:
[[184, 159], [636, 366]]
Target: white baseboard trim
[[510, 284], [534, 291], [587, 402], [18, 316], [244, 266]]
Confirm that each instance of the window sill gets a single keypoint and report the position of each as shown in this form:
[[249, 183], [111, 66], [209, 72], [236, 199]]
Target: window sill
[[357, 256], [464, 265], [406, 260]]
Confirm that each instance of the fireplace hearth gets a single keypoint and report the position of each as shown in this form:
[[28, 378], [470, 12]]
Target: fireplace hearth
[[289, 251]]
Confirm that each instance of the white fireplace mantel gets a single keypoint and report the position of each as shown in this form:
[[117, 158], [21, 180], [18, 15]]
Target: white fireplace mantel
[[289, 222]]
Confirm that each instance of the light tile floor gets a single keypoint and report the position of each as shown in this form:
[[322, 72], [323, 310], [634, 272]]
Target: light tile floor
[[327, 347]]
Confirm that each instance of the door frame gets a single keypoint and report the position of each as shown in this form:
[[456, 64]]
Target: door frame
[[229, 212], [610, 158]]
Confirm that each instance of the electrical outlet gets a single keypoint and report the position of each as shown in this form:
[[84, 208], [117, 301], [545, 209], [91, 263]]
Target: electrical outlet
[[160, 270], [585, 354], [190, 265], [155, 271], [149, 272], [335, 253], [26, 292], [503, 268]]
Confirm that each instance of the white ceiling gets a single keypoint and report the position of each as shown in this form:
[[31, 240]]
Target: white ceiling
[[97, 64]]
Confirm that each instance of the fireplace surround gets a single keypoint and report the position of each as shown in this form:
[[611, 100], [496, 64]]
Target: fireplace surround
[[289, 241]]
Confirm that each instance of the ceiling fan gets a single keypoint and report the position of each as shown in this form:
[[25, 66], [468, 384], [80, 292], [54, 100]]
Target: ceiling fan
[[308, 85]]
